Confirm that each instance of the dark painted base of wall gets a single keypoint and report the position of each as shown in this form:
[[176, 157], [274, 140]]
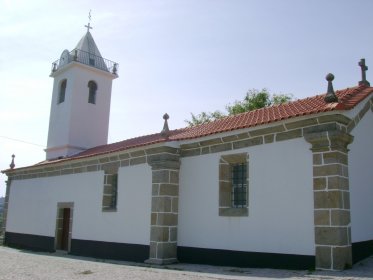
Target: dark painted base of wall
[[361, 250], [110, 250], [88, 248], [29, 241], [244, 259], [140, 253]]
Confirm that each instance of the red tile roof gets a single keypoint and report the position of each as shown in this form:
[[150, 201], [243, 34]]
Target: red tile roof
[[127, 144], [348, 99]]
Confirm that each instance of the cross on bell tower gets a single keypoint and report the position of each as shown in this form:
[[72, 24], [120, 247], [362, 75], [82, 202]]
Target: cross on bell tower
[[364, 68], [89, 22], [88, 26]]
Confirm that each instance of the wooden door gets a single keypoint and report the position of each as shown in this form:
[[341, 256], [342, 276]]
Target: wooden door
[[65, 229]]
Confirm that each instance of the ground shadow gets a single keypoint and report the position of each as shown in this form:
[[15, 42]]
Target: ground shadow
[[362, 269]]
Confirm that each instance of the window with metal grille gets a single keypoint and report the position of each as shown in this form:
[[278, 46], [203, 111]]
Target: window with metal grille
[[239, 185], [234, 185], [114, 194], [110, 194]]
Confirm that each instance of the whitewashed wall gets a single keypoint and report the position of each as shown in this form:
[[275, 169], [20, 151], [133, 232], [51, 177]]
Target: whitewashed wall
[[280, 202], [75, 121], [33, 206], [361, 180]]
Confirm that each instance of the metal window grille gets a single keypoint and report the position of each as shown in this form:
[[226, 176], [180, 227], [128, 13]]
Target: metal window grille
[[114, 194], [239, 185]]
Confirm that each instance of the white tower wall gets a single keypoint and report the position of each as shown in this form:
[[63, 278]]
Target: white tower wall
[[75, 124]]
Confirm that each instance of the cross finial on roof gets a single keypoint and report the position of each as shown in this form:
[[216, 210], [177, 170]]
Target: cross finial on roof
[[165, 131], [12, 165], [89, 22], [330, 96], [364, 68]]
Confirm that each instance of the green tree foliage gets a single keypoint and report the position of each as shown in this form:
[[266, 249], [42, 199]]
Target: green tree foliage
[[281, 98], [254, 99], [204, 117]]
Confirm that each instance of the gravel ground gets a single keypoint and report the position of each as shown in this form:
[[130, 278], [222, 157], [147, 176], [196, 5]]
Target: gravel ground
[[20, 265]]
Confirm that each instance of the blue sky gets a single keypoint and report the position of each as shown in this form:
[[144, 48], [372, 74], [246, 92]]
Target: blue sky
[[175, 56]]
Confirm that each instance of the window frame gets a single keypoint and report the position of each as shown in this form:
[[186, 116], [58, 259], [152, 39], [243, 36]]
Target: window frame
[[227, 205], [110, 191]]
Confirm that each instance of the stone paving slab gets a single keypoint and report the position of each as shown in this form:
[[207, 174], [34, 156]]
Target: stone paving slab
[[22, 265]]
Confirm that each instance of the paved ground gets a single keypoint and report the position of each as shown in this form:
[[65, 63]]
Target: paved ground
[[22, 265]]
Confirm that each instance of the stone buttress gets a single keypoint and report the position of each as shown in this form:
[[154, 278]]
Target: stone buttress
[[164, 207]]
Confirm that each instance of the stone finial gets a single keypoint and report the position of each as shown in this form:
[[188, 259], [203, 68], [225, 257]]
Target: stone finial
[[165, 131], [12, 165], [330, 95], [364, 69]]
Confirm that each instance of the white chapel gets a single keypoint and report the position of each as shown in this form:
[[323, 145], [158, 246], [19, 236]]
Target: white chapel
[[286, 186]]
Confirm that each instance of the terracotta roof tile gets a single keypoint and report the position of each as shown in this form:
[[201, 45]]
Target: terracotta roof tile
[[348, 99], [127, 144]]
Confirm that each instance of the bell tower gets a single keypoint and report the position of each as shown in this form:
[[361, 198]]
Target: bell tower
[[80, 108]]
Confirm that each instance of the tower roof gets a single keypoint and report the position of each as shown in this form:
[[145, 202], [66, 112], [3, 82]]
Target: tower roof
[[88, 45], [86, 52]]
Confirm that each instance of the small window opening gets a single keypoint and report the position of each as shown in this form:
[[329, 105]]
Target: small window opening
[[110, 195], [92, 92], [62, 92]]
